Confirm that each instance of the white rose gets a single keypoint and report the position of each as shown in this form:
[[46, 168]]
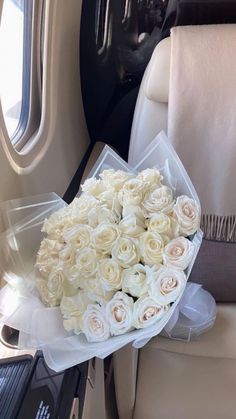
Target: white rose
[[133, 210], [187, 214], [132, 226], [82, 207], [178, 253], [158, 200], [147, 312], [115, 179], [151, 248], [132, 192], [73, 275], [48, 256], [163, 224], [57, 223], [109, 199], [119, 312], [167, 285], [104, 236], [51, 291], [99, 215], [86, 262], [76, 305], [93, 186], [126, 252], [166, 239], [109, 273], [95, 289], [56, 281], [94, 324], [72, 324], [151, 176], [135, 280], [69, 289], [67, 257], [79, 236]]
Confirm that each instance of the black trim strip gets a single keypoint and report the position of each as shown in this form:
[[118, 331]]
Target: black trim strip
[[75, 182]]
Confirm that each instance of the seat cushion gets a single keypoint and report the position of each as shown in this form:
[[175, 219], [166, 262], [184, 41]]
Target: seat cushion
[[179, 380], [176, 386]]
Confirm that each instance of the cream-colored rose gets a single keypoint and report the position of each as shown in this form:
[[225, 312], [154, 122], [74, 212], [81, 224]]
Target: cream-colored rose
[[76, 305], [187, 214], [115, 179], [147, 311], [132, 226], [133, 210], [67, 257], [93, 186], [109, 199], [69, 289], [56, 281], [167, 285], [51, 290], [94, 323], [73, 324], [132, 192], [102, 214], [151, 176], [109, 272], [166, 239], [86, 262], [178, 253], [119, 312], [95, 289], [82, 207], [163, 224], [48, 256], [57, 224], [135, 280], [126, 252], [158, 200], [78, 237], [73, 275], [151, 248], [104, 236]]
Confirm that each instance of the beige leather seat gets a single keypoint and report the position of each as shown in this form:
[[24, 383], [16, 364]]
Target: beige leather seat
[[171, 379]]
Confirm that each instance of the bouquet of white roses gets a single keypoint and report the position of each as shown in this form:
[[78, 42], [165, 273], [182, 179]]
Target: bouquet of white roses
[[114, 259], [111, 266]]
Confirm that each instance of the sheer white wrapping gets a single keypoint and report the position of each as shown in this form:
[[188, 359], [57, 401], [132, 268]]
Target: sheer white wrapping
[[41, 327]]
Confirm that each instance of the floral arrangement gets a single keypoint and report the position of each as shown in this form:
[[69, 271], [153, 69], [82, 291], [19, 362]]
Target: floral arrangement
[[114, 260]]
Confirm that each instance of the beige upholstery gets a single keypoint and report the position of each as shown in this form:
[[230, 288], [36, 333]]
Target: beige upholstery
[[157, 85], [175, 386], [125, 380], [175, 380], [178, 380]]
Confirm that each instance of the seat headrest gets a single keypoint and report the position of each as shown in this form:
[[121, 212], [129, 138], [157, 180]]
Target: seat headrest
[[158, 73]]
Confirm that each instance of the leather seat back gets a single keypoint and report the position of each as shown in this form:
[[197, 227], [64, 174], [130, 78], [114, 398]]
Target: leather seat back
[[151, 110]]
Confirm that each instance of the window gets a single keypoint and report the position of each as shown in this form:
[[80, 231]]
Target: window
[[11, 52], [19, 82], [102, 27]]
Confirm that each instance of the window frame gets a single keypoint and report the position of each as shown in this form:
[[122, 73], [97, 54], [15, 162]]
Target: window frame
[[31, 83]]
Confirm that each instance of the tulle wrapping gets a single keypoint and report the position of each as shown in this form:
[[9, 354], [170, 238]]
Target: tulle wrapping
[[41, 327]]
